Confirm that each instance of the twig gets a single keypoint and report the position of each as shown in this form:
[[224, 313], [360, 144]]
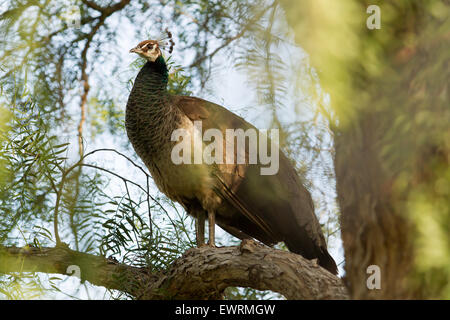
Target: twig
[[231, 39]]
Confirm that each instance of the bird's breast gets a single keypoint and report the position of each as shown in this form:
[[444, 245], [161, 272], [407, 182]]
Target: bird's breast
[[161, 141]]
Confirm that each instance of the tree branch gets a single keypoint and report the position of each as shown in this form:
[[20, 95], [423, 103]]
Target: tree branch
[[106, 10], [201, 273], [227, 41], [105, 13]]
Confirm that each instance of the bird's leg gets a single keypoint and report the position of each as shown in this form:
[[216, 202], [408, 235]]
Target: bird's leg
[[200, 228], [212, 229]]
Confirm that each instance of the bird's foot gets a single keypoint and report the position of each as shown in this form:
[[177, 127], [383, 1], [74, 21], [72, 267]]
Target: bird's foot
[[211, 245], [62, 245]]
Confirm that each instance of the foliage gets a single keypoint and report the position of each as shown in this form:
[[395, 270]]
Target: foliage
[[41, 190]]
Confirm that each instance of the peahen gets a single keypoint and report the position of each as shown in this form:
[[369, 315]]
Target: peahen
[[246, 204]]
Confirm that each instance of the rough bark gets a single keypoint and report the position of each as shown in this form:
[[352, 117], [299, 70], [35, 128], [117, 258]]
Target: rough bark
[[374, 230], [201, 273]]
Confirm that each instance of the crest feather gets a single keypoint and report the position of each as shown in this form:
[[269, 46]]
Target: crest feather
[[166, 42]]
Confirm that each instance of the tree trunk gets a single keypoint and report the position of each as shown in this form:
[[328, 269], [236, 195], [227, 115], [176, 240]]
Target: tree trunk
[[389, 93], [373, 231]]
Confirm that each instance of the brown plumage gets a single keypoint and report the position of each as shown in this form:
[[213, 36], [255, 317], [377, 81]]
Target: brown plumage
[[270, 208]]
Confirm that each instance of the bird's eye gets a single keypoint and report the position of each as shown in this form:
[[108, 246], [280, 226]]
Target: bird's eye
[[147, 47]]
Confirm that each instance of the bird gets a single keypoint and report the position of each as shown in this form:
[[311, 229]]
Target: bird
[[237, 197]]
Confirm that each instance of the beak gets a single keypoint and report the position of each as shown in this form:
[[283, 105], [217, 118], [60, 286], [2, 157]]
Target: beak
[[134, 50]]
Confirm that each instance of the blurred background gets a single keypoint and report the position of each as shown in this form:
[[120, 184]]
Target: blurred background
[[360, 97]]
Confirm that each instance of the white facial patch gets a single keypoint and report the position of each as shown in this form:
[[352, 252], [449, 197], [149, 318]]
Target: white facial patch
[[153, 54], [149, 51]]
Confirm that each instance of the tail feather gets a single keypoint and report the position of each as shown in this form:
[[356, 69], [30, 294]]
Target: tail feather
[[327, 261], [321, 254]]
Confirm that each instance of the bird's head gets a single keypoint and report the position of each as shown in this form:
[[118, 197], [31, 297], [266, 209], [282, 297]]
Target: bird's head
[[148, 49], [151, 49]]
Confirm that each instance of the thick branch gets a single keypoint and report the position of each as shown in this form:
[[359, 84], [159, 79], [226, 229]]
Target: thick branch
[[201, 273], [95, 269]]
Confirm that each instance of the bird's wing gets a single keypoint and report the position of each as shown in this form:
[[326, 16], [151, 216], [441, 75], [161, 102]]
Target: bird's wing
[[194, 108], [278, 204], [229, 176]]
